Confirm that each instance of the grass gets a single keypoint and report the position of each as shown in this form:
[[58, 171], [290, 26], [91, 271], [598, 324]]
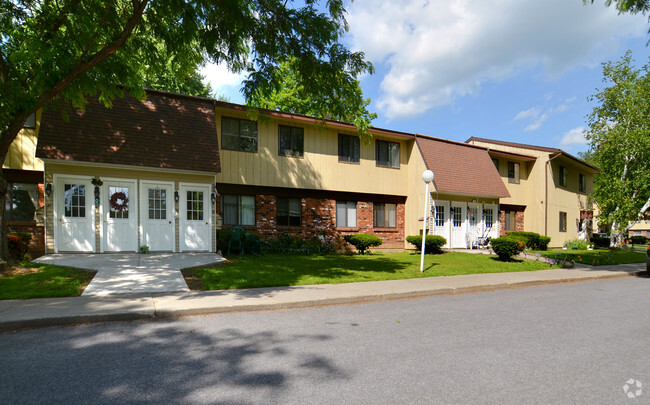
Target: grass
[[43, 281], [275, 270], [598, 257]]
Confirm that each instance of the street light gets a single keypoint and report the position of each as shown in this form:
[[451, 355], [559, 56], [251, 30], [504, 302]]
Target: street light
[[427, 177]]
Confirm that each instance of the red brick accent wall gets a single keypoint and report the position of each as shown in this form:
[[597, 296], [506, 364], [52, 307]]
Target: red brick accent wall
[[519, 222], [319, 217], [37, 244]]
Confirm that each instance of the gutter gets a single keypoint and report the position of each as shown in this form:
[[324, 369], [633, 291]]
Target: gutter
[[548, 165]]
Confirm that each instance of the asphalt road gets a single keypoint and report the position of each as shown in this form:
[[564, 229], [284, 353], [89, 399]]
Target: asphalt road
[[575, 343]]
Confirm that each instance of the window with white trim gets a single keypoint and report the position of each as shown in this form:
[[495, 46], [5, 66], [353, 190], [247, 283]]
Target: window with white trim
[[346, 214]]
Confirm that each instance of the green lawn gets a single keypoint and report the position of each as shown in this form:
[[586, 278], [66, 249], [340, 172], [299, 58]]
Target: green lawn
[[598, 257], [47, 281], [274, 270]]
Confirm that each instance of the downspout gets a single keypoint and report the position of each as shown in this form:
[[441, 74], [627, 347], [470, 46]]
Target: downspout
[[548, 164]]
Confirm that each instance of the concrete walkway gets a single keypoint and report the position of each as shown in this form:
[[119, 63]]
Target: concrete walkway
[[16, 314], [129, 273]]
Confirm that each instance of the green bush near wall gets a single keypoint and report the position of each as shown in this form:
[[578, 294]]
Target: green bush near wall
[[507, 246], [363, 241], [432, 244], [533, 240]]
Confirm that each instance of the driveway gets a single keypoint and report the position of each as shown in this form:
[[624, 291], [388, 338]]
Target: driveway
[[128, 273]]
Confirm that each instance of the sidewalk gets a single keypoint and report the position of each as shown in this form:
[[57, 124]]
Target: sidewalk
[[18, 314]]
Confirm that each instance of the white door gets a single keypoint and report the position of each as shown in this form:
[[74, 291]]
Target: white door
[[195, 220], [157, 216], [474, 221], [441, 222], [119, 209], [491, 220], [75, 220], [458, 228]]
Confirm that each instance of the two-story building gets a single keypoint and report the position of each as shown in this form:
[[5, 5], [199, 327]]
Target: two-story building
[[549, 190], [170, 171]]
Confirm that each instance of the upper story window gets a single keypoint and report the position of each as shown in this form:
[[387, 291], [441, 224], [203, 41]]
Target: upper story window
[[582, 183], [513, 172], [564, 176], [30, 122], [349, 147], [291, 141], [238, 134], [387, 154], [496, 163]]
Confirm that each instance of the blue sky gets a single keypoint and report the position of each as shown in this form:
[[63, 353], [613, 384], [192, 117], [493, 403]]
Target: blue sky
[[511, 70]]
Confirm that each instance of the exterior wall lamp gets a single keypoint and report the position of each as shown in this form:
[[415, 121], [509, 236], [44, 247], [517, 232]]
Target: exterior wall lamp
[[48, 189], [96, 195], [213, 197], [427, 177], [176, 197]]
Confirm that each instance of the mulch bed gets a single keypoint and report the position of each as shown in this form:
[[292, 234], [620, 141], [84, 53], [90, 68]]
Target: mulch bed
[[193, 282]]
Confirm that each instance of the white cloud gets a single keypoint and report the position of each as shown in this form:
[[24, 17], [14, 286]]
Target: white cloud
[[223, 81], [537, 124], [529, 113], [574, 137], [435, 51]]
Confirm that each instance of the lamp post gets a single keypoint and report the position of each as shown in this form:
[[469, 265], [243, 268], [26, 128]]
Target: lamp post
[[427, 177]]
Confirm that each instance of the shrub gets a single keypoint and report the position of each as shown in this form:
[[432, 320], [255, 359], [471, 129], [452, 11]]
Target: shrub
[[18, 244], [600, 242], [432, 244], [363, 241], [639, 240], [543, 242], [507, 246], [576, 244]]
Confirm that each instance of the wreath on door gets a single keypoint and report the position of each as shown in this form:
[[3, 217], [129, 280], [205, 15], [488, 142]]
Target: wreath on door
[[119, 201]]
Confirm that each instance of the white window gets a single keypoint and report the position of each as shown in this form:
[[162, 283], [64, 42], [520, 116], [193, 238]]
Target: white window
[[346, 214], [384, 215], [440, 215]]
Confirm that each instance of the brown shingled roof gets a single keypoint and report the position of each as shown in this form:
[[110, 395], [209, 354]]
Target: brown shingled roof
[[461, 168], [164, 131]]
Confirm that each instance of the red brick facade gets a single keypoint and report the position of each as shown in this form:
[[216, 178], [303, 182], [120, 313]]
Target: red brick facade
[[519, 221], [37, 244], [318, 216]]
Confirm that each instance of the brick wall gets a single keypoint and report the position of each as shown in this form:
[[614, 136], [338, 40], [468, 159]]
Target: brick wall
[[519, 222], [318, 216], [37, 244]]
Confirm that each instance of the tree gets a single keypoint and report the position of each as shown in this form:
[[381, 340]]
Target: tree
[[619, 138], [628, 6], [347, 106], [64, 51]]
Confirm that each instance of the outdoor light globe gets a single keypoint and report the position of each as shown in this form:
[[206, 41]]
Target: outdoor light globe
[[427, 176]]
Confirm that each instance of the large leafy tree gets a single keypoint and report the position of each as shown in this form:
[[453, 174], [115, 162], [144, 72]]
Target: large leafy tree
[[65, 50], [345, 103], [619, 140]]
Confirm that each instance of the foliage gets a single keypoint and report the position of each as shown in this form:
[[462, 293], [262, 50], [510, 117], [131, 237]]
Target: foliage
[[285, 243], [272, 270], [19, 244], [346, 105], [507, 246], [533, 240], [432, 244], [48, 281], [628, 6], [363, 241], [600, 242], [576, 244], [639, 240], [64, 51], [619, 137], [598, 257]]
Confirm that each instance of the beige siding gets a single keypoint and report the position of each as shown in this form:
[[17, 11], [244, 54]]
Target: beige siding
[[22, 152], [110, 172], [319, 168]]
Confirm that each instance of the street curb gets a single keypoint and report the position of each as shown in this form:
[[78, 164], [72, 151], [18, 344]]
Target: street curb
[[8, 326]]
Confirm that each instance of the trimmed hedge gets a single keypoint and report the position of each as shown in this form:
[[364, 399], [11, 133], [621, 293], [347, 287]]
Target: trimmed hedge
[[639, 240], [533, 240], [432, 244], [576, 244], [507, 246], [363, 241], [600, 242]]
